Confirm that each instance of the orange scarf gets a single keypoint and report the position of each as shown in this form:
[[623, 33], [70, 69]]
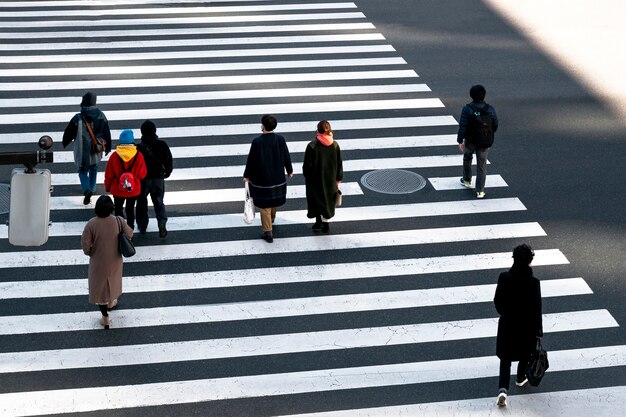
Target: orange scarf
[[325, 139]]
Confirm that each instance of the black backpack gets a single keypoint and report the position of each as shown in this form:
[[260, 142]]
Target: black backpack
[[479, 129]]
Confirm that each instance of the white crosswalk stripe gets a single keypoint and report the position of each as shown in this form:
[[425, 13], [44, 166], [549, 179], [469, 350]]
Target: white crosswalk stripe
[[398, 295]]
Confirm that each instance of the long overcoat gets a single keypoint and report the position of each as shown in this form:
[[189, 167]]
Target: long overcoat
[[100, 242], [518, 301], [322, 168], [267, 162]]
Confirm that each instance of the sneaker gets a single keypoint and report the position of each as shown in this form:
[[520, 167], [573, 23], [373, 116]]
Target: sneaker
[[267, 236], [522, 383], [501, 402], [162, 231], [466, 184], [87, 198], [480, 194]]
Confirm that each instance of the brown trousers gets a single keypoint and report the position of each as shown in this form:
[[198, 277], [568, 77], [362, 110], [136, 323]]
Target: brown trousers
[[267, 218]]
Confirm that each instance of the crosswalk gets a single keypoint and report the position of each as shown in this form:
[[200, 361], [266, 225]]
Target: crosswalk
[[390, 314]]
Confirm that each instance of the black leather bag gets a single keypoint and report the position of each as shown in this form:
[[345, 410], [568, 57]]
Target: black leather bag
[[537, 365], [126, 246]]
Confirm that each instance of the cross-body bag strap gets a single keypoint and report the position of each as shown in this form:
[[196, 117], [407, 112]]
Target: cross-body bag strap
[[93, 137]]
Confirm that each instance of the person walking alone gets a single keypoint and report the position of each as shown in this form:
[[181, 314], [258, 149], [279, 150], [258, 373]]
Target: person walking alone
[[158, 158], [78, 130], [123, 174], [267, 162], [99, 241], [323, 172], [477, 125], [518, 301]]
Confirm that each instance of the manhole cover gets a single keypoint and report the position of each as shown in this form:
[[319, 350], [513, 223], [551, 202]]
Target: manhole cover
[[393, 181], [5, 196]]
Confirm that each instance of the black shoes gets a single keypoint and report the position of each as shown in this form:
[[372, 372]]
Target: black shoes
[[267, 236], [162, 231], [317, 227], [325, 227], [87, 198]]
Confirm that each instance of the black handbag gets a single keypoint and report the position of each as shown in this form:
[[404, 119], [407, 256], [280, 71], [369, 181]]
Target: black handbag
[[537, 365], [126, 247]]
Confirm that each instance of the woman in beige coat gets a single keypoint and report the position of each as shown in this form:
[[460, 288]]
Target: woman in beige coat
[[100, 243]]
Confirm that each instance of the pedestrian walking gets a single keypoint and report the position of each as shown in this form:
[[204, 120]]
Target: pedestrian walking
[[477, 125], [518, 301], [158, 159], [123, 174], [267, 162], [323, 172], [86, 126], [100, 242]]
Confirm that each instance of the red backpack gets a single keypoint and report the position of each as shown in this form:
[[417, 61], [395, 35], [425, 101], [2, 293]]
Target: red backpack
[[128, 181]]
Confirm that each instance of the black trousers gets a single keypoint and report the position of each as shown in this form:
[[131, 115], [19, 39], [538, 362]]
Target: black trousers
[[130, 209], [505, 372]]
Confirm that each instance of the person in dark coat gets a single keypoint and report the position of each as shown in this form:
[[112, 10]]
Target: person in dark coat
[[158, 158], [518, 301], [99, 241], [267, 162], [76, 130], [323, 172]]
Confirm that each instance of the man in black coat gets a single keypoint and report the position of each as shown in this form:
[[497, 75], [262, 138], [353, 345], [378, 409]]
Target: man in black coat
[[158, 159], [518, 301], [267, 162]]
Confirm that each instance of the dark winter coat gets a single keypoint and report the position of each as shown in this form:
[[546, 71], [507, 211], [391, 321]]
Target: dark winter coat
[[157, 156], [78, 132], [265, 168], [518, 301], [124, 159], [466, 114], [322, 168]]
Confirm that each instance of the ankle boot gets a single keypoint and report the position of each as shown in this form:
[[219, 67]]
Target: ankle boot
[[105, 322]]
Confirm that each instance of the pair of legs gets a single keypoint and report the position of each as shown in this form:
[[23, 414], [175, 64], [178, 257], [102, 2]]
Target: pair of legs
[[481, 163], [104, 309], [155, 188], [88, 175], [505, 372], [267, 218], [130, 209]]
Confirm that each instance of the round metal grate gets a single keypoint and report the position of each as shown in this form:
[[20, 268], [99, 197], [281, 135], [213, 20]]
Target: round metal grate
[[5, 196], [393, 181]]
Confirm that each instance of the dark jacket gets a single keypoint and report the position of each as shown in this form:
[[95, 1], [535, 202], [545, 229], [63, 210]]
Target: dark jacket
[[322, 168], [82, 147], [267, 162], [518, 301], [157, 156], [466, 114]]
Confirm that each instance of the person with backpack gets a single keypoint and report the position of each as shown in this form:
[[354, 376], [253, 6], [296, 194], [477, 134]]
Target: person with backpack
[[88, 129], [477, 125], [518, 301], [158, 158], [123, 174]]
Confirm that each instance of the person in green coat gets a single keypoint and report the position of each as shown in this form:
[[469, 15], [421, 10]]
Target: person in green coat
[[323, 172]]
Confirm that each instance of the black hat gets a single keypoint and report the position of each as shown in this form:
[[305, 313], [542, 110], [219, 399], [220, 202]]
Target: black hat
[[89, 99], [148, 128]]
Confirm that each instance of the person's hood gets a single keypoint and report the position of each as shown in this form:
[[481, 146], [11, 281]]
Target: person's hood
[[92, 112], [126, 152]]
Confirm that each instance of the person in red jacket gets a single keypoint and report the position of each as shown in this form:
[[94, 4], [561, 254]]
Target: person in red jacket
[[124, 171]]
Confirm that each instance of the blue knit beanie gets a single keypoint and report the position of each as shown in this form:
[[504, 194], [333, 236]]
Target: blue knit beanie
[[127, 137]]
